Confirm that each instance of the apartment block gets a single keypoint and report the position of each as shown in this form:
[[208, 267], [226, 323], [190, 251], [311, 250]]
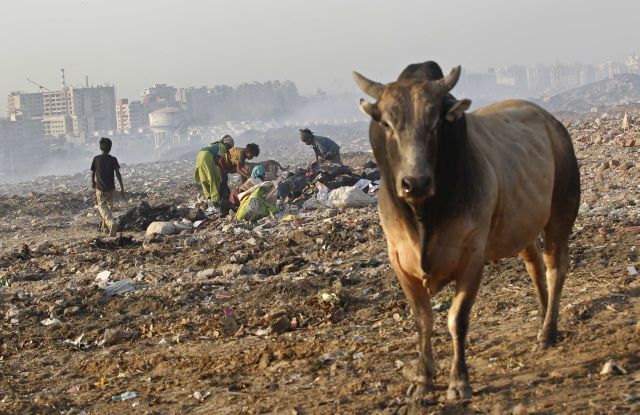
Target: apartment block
[[130, 115], [79, 111], [29, 105], [159, 93]]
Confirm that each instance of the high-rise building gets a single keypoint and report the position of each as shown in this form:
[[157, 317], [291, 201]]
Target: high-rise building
[[21, 140], [195, 103], [29, 105], [96, 107], [56, 103], [57, 125], [159, 93], [609, 69], [79, 111], [513, 76], [130, 115], [633, 63], [57, 113], [538, 78], [123, 119], [587, 74]]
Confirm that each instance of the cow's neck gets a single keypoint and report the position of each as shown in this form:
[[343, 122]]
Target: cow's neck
[[456, 186]]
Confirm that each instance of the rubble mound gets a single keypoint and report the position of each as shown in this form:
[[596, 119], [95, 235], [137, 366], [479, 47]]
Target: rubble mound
[[621, 89]]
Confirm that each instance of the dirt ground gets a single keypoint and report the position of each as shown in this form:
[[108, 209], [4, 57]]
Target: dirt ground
[[302, 317]]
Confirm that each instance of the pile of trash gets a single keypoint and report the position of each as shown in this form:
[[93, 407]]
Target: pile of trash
[[330, 185], [621, 129], [323, 186], [140, 217]]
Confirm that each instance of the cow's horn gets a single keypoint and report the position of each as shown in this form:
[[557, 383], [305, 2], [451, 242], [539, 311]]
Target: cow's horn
[[449, 81], [369, 87]]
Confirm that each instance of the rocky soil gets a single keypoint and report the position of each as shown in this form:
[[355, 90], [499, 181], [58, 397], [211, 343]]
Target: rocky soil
[[299, 313]]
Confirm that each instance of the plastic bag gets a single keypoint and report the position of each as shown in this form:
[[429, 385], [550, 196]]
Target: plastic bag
[[349, 197], [323, 192]]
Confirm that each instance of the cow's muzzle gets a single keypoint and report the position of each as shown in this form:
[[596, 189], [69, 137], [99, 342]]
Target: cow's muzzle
[[417, 187]]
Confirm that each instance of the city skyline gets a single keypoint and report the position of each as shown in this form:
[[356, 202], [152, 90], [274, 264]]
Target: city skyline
[[86, 81], [315, 45]]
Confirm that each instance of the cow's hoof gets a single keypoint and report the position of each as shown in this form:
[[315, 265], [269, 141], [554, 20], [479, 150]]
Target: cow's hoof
[[539, 347], [545, 342], [459, 390], [418, 390], [547, 337]]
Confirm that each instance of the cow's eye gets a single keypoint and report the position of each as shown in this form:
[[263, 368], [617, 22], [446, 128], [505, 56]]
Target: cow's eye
[[385, 124]]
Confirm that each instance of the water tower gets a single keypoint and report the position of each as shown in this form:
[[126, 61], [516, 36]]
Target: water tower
[[164, 123]]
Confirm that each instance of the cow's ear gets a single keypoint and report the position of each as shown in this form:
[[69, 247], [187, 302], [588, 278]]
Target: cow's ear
[[457, 109], [370, 109]]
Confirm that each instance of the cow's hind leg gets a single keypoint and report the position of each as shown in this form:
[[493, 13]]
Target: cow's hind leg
[[556, 259], [535, 268], [564, 209], [467, 285], [420, 303]]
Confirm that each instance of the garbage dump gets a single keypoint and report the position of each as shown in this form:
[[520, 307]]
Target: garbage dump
[[203, 312]]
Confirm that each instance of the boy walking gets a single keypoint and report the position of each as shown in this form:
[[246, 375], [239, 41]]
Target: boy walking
[[103, 168]]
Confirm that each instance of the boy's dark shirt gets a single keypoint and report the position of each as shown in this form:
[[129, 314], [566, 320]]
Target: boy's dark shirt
[[105, 166]]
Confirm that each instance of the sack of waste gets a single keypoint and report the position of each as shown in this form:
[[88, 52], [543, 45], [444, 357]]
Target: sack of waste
[[253, 204], [351, 196], [162, 228]]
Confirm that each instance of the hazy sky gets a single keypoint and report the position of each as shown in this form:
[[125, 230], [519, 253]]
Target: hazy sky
[[135, 43]]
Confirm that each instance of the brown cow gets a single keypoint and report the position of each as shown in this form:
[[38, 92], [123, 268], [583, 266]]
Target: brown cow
[[458, 190]]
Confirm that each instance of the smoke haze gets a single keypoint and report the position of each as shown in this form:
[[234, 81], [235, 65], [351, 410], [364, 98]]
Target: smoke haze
[[315, 44]]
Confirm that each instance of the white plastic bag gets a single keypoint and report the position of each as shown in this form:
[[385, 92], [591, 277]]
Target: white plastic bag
[[349, 196], [323, 192]]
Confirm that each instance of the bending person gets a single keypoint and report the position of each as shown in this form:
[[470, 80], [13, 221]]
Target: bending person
[[325, 148], [209, 171]]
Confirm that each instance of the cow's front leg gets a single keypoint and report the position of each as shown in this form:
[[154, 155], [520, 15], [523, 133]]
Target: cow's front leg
[[467, 284], [420, 302]]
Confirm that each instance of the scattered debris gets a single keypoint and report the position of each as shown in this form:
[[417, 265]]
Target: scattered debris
[[333, 356], [125, 396], [50, 322], [119, 287], [281, 324], [612, 368], [197, 395], [102, 279]]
